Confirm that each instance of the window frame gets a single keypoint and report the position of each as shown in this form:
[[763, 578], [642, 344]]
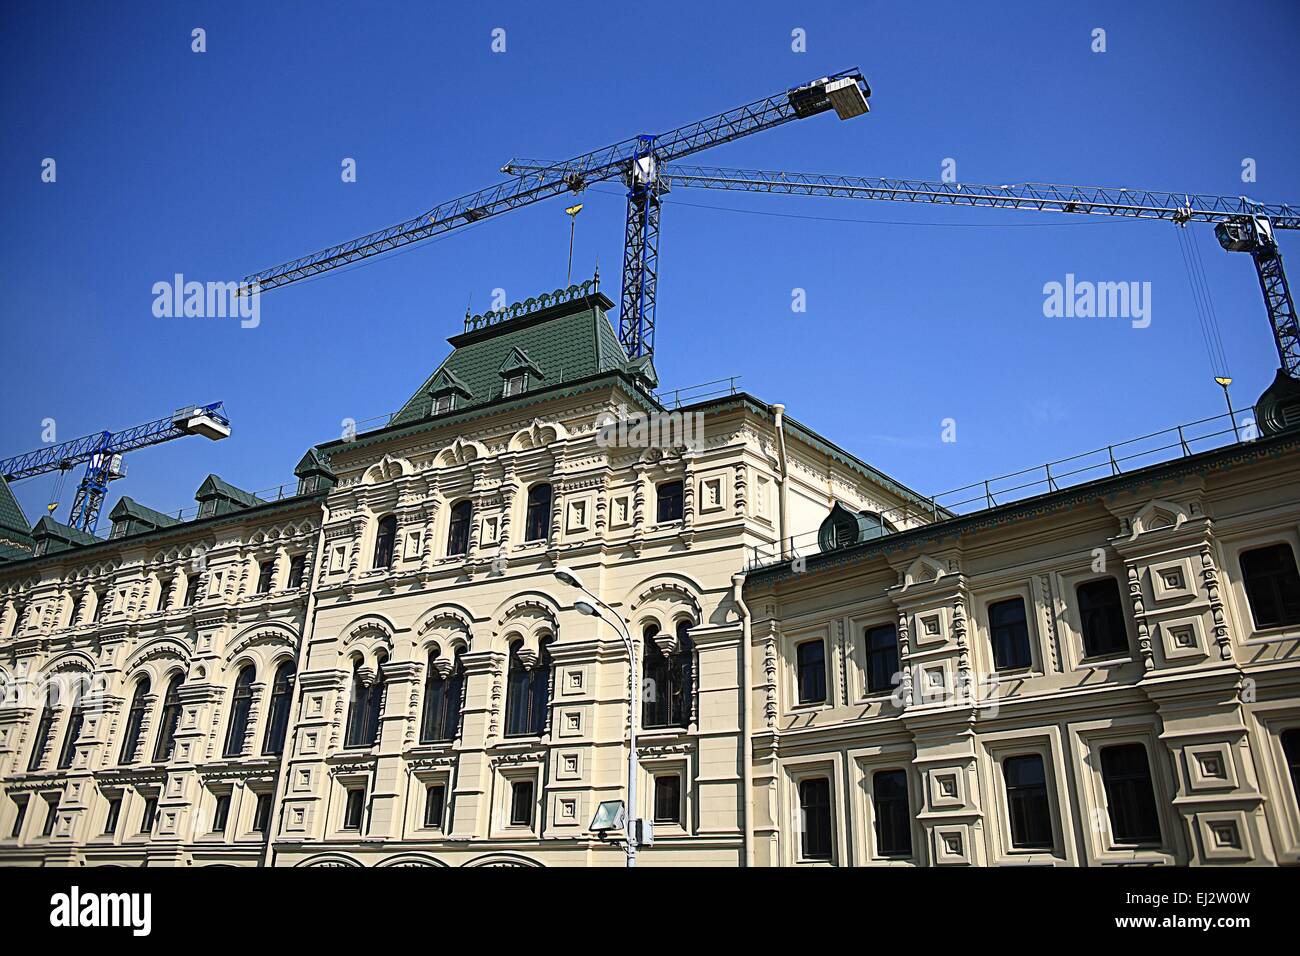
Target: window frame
[[869, 656], [801, 809], [460, 519], [1025, 603], [1124, 646], [1015, 796], [877, 832], [241, 712], [799, 668], [1285, 620], [543, 514], [384, 555], [675, 502], [1115, 840], [678, 820]]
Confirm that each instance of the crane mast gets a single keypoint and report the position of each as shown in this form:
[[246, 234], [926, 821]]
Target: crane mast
[[634, 161]]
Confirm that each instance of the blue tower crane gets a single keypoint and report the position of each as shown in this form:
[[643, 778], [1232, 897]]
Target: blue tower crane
[[635, 161], [102, 453]]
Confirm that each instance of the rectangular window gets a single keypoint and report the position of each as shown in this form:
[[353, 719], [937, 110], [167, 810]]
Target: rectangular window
[[442, 404], [521, 803], [668, 798], [21, 804], [1130, 796], [191, 590], [1291, 750], [262, 813], [265, 573], [221, 813], [811, 667], [161, 601], [51, 814], [354, 808], [1009, 633], [1272, 586], [1027, 802], [882, 658], [435, 798], [893, 813], [114, 813], [147, 817], [514, 385], [815, 809], [1101, 618], [297, 564], [670, 501]]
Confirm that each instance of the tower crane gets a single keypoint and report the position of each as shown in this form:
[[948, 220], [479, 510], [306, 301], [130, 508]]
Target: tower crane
[[1240, 225], [102, 453], [635, 161]]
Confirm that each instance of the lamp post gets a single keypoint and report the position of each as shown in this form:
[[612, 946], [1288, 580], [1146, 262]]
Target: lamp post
[[592, 609]]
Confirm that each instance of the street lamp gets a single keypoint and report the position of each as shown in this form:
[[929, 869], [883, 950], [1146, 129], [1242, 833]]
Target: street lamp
[[633, 828]]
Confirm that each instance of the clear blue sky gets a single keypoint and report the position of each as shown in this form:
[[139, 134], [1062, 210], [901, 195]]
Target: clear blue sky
[[218, 164]]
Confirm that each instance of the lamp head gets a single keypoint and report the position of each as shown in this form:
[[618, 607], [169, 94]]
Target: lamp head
[[567, 576], [582, 607]]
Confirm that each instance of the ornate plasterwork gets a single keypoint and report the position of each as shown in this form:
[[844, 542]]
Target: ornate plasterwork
[[539, 434], [262, 635], [164, 648], [461, 452], [924, 570], [1158, 515]]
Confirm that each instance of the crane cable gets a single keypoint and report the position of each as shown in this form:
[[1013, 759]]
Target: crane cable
[[1203, 302]]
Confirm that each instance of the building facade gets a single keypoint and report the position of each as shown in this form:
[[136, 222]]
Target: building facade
[[1106, 674], [383, 669]]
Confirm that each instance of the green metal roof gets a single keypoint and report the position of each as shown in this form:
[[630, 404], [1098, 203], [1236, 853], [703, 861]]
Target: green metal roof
[[215, 487], [15, 535], [563, 337], [132, 509]]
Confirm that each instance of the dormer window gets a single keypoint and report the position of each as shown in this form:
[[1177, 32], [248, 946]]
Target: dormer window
[[515, 384], [444, 403]]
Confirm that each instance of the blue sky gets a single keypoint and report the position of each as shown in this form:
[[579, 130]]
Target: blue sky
[[218, 164]]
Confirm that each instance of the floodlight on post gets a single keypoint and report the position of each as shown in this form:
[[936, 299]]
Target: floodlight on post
[[635, 831]]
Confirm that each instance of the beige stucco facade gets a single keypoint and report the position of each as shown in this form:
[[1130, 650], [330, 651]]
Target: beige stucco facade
[[1203, 691]]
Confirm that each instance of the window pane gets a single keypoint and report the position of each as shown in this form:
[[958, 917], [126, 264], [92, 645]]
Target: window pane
[[134, 723], [1010, 634], [670, 501], [385, 535], [1272, 585], [893, 813], [262, 813], [277, 718], [811, 666], [1101, 617], [354, 808], [521, 803], [168, 721], [815, 807], [1291, 748], [668, 798], [1130, 796], [240, 707], [458, 529], [114, 812], [537, 521], [221, 813], [1027, 802], [434, 799], [882, 658]]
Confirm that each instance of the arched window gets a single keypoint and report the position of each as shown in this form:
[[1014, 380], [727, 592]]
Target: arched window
[[537, 522], [241, 705], [76, 719], [44, 728], [364, 710], [458, 529], [169, 721], [134, 722], [666, 681], [443, 698], [277, 716], [527, 694], [385, 538]]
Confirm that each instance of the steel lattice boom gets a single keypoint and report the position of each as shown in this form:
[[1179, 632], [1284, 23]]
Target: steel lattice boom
[[101, 452], [634, 161], [1241, 224]]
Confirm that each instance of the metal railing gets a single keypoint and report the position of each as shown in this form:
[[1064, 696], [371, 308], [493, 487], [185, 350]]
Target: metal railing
[[1156, 448], [691, 394]]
